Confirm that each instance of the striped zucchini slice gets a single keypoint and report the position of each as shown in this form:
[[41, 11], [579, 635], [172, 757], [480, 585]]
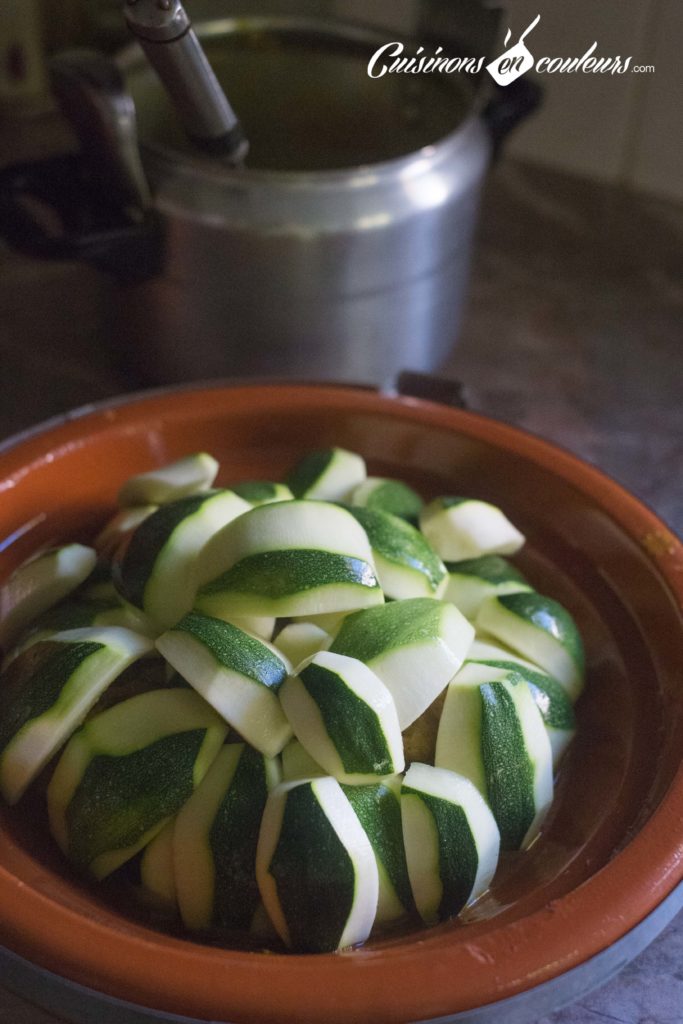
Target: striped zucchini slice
[[297, 763], [315, 867], [155, 572], [157, 873], [492, 733], [301, 640], [414, 646], [463, 528], [47, 692], [389, 496], [451, 841], [215, 838], [471, 581], [262, 492], [118, 529], [345, 717], [330, 474], [550, 697], [39, 584], [292, 558], [126, 772], [238, 674], [189, 475], [378, 808], [540, 629], [406, 564]]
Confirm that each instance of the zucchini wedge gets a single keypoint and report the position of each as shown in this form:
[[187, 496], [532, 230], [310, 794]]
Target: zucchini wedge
[[414, 646], [215, 838], [406, 564], [47, 692], [126, 772], [471, 581], [290, 558], [451, 841], [493, 734], [301, 640], [157, 873], [189, 475], [388, 496], [238, 674], [330, 474], [540, 629], [39, 584], [315, 867], [345, 717], [262, 492], [462, 528]]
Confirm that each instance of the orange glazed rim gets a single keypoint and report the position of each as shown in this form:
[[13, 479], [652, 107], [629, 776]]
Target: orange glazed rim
[[427, 974]]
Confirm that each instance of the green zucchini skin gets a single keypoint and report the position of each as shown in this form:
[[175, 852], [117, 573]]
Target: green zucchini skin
[[388, 495]]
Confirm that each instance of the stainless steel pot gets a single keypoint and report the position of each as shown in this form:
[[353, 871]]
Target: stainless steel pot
[[342, 249]]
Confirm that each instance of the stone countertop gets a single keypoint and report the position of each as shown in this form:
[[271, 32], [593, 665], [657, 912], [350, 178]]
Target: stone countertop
[[574, 332]]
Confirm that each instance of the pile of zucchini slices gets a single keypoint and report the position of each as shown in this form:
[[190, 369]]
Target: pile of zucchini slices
[[307, 709]]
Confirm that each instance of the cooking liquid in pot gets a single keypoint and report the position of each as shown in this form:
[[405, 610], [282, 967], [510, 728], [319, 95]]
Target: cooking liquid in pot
[[307, 102]]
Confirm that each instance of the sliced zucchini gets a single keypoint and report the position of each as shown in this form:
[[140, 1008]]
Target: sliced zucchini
[[463, 528], [541, 630], [407, 566], [388, 496], [155, 572], [215, 837], [492, 733], [471, 581], [292, 558], [126, 772], [157, 873], [261, 626], [47, 692], [297, 763], [189, 475], [301, 640], [262, 492], [236, 673], [115, 532], [414, 646], [451, 841], [330, 474], [557, 710], [378, 808], [315, 867], [39, 584], [345, 717]]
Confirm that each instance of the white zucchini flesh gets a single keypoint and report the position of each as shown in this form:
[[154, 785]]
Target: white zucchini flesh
[[238, 674], [316, 868], [189, 475], [261, 626], [451, 841], [39, 584], [158, 744], [414, 646], [155, 572], [299, 641], [49, 698], [215, 837], [540, 629], [327, 475], [345, 717], [463, 528], [157, 873]]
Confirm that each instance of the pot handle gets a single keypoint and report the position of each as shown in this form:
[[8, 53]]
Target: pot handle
[[93, 205], [444, 390], [510, 105]]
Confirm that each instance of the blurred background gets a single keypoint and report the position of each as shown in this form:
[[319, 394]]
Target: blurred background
[[555, 293]]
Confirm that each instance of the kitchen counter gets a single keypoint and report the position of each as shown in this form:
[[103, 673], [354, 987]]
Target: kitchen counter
[[574, 332]]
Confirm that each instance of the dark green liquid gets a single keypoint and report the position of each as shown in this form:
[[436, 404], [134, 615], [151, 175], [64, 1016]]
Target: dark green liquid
[[307, 103]]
